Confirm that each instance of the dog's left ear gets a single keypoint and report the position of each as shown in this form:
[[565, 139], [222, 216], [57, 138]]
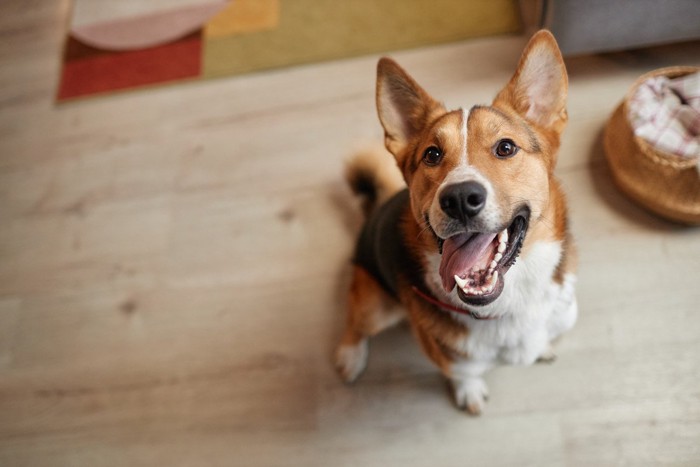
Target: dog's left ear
[[538, 88]]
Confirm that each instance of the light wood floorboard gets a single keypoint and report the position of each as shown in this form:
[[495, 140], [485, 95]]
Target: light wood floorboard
[[173, 266]]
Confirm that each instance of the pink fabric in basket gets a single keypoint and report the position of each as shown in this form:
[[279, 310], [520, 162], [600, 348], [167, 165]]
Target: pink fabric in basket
[[666, 113]]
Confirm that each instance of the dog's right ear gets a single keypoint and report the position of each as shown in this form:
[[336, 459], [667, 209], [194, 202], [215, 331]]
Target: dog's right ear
[[404, 107]]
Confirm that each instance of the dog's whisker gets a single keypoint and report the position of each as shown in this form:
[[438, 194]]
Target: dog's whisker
[[426, 228]]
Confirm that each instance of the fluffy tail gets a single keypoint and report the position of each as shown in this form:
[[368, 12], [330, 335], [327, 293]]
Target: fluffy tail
[[374, 175]]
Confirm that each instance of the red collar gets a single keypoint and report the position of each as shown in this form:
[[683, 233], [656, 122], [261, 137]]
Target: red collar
[[447, 306]]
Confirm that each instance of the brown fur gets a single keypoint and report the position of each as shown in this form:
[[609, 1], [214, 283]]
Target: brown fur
[[371, 309]]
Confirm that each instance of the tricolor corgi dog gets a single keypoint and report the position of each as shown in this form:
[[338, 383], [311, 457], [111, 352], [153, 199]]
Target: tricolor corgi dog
[[469, 239]]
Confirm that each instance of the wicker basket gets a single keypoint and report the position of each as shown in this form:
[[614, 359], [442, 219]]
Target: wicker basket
[[664, 183]]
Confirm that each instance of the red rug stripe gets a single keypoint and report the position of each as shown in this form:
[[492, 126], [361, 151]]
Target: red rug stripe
[[91, 71]]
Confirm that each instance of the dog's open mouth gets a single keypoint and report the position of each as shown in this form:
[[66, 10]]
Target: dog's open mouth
[[477, 262]]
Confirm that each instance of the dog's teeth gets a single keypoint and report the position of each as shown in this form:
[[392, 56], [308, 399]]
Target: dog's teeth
[[498, 257], [462, 283], [501, 247], [490, 283], [503, 236], [493, 265], [470, 288]]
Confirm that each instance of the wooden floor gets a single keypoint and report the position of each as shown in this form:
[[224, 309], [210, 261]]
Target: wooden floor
[[173, 265]]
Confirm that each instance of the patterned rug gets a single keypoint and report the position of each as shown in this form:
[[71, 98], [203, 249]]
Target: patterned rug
[[126, 44]]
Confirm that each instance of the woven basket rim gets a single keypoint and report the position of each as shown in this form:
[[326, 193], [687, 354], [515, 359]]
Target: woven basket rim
[[645, 178], [657, 155], [636, 182]]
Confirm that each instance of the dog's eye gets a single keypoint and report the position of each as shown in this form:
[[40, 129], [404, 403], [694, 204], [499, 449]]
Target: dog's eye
[[505, 148], [432, 156]]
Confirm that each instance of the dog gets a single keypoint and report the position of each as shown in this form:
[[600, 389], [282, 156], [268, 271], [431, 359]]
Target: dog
[[469, 240]]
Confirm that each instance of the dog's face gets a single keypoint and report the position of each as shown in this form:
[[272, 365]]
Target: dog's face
[[478, 178]]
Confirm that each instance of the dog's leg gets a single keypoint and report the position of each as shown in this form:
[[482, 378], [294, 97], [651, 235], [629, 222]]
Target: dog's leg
[[470, 390], [563, 318], [465, 375], [370, 311]]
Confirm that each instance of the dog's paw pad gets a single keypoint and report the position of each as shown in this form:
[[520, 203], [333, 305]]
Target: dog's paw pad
[[351, 360], [471, 395]]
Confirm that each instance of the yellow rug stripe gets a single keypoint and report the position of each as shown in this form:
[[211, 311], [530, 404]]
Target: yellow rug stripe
[[314, 30]]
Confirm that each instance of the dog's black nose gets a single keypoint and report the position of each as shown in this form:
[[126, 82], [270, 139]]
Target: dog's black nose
[[464, 200]]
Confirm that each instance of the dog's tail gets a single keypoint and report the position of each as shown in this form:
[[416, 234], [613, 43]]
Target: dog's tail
[[374, 176]]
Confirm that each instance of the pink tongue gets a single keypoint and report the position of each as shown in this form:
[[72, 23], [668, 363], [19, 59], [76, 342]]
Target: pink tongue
[[460, 253]]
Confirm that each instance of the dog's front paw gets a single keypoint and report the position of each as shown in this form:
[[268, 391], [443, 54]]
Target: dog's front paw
[[548, 356], [470, 394], [351, 360]]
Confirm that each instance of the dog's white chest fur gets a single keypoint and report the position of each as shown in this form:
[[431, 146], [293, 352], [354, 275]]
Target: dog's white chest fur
[[532, 310]]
